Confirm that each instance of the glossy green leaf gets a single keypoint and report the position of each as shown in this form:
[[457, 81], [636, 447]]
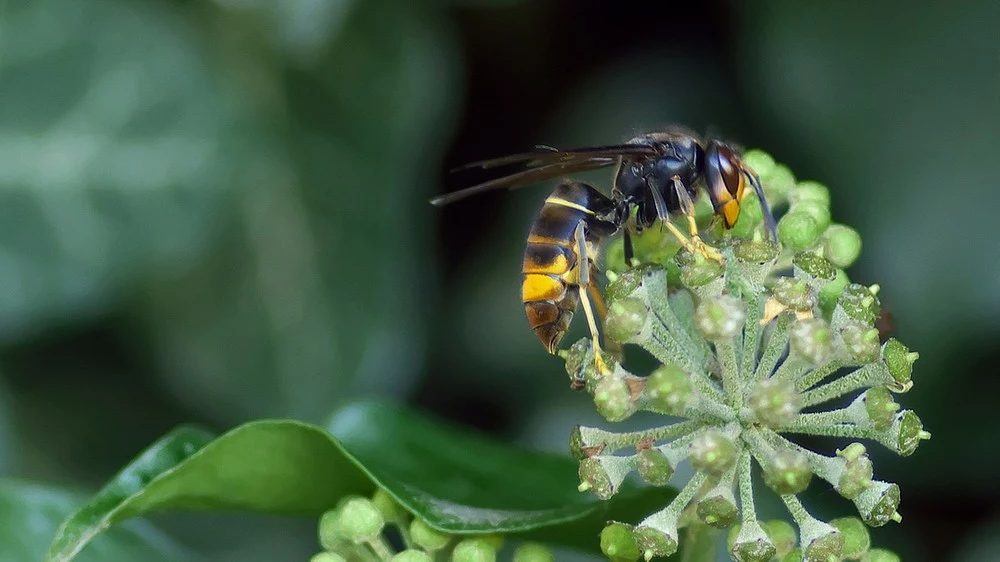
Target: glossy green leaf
[[458, 481], [30, 514], [266, 466]]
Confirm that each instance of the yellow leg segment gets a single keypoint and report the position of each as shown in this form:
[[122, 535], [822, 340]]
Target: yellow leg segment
[[602, 367]]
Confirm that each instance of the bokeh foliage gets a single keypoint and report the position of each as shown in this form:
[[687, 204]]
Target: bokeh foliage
[[215, 211]]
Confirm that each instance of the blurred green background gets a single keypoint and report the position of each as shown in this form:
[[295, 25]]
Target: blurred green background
[[217, 211]]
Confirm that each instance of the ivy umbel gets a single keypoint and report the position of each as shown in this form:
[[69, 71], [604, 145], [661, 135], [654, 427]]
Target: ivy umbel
[[750, 351]]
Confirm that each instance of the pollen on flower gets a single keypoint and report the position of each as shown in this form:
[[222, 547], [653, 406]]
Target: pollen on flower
[[751, 350]]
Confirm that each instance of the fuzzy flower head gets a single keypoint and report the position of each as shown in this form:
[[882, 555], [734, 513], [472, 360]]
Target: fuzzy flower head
[[750, 350]]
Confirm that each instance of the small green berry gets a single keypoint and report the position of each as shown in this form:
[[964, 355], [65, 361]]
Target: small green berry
[[856, 476], [778, 183], [668, 390], [861, 342], [775, 402], [654, 467], [720, 318], [899, 360], [411, 555], [426, 537], [474, 550], [808, 263], [533, 552], [798, 230], [755, 251], [750, 543], [819, 211], [759, 161], [909, 433], [830, 293], [390, 509], [654, 542], [329, 531], [788, 472], [626, 319], [782, 534], [700, 272], [857, 541], [842, 246], [603, 474], [718, 510], [824, 547], [812, 340], [878, 504], [712, 452], [811, 191], [359, 521], [613, 398], [794, 293], [618, 544], [881, 407], [627, 283], [859, 303]]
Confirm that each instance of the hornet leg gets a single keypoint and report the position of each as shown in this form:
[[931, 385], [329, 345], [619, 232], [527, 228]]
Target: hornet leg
[[695, 244], [687, 207], [584, 283]]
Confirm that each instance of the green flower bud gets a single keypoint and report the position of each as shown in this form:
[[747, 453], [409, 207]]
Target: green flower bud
[[712, 452], [861, 342], [474, 550], [798, 230], [778, 183], [751, 217], [796, 294], [857, 474], [613, 398], [668, 390], [700, 272], [327, 557], [810, 191], [859, 303], [603, 474], [626, 319], [857, 541], [718, 509], [329, 531], [881, 555], [627, 283], [580, 361], [775, 402], [820, 212], [842, 245], [759, 161], [812, 340], [810, 265], [878, 504], [720, 318], [823, 547], [830, 293], [782, 535], [908, 431], [899, 360], [755, 251], [881, 407], [654, 467], [618, 544], [390, 509], [787, 472], [358, 520], [495, 540], [426, 537], [533, 552], [411, 555], [750, 543], [653, 542]]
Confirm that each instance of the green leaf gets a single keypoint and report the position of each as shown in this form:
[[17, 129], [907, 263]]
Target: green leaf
[[456, 480], [31, 512], [269, 466]]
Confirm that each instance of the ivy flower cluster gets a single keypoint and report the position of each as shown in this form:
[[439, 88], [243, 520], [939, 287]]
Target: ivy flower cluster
[[750, 353], [356, 531]]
